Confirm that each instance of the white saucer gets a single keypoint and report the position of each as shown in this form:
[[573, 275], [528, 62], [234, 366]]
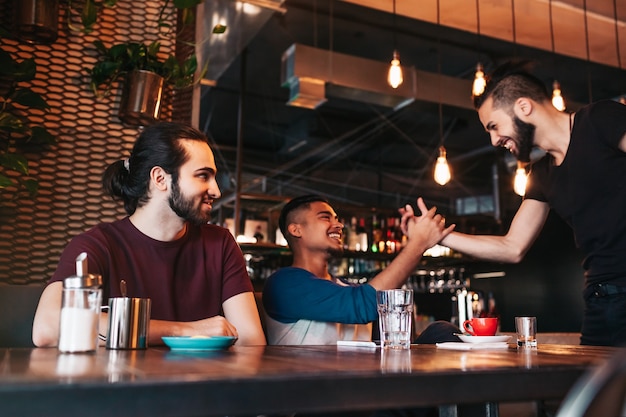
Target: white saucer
[[483, 339]]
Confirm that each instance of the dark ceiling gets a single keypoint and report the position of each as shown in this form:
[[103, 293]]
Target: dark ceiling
[[359, 153]]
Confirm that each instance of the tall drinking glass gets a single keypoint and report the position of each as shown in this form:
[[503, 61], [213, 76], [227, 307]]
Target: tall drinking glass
[[395, 311]]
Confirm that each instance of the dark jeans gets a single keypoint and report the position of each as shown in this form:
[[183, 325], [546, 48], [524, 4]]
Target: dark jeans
[[604, 322]]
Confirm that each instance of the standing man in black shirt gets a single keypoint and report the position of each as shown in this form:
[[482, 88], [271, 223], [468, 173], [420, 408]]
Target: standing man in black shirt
[[582, 178]]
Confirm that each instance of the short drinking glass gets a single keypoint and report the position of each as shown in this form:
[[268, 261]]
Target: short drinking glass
[[395, 311], [526, 329]]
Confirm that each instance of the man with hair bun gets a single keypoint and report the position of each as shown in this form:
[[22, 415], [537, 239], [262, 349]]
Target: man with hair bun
[[165, 250]]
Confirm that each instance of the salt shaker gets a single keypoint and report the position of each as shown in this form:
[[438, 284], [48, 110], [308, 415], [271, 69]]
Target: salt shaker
[[80, 310]]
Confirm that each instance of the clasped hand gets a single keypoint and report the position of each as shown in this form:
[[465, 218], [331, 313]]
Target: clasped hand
[[429, 226]]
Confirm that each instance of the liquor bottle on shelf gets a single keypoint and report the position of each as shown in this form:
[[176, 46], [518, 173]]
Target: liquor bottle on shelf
[[491, 310], [377, 233], [345, 233], [361, 233], [391, 242], [382, 243], [401, 238], [353, 238]]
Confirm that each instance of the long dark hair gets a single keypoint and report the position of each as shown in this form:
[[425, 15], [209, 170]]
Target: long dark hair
[[158, 145]]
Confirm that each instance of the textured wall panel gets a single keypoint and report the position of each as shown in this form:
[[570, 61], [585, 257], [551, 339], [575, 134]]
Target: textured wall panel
[[34, 231]]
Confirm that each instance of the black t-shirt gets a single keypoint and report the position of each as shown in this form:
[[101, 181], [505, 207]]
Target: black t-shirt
[[588, 190]]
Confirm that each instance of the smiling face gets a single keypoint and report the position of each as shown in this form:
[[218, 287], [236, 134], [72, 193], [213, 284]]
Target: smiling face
[[507, 131], [317, 228], [193, 193]]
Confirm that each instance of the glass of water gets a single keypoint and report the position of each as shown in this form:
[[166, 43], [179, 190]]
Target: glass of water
[[395, 311]]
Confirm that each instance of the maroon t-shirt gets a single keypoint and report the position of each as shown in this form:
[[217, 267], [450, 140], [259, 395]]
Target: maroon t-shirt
[[186, 279]]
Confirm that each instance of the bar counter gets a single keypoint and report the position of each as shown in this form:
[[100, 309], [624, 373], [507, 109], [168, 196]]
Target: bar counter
[[280, 379]]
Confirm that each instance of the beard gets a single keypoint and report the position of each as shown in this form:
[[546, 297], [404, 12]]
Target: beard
[[525, 135], [186, 208]]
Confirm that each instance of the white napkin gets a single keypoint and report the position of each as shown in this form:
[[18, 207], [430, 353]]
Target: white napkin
[[472, 346], [356, 344]]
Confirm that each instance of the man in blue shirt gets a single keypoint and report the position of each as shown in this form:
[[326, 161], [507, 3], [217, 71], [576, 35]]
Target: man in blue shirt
[[305, 305]]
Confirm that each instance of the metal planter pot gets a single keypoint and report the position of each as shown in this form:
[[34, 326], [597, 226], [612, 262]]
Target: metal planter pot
[[37, 21], [141, 98]]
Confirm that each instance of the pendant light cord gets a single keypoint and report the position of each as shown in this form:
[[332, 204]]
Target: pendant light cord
[[551, 25], [331, 40], [395, 43], [439, 72], [514, 29], [331, 27], [315, 23], [586, 30], [556, 64], [619, 57], [588, 56], [478, 28]]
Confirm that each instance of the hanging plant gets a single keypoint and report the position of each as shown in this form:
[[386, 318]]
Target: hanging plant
[[88, 13], [15, 128], [143, 71], [120, 59], [91, 9], [144, 75], [186, 7]]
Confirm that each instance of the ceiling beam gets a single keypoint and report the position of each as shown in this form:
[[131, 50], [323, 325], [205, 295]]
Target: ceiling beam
[[572, 27]]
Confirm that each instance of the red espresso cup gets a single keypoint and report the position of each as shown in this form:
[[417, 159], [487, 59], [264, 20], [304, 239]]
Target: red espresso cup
[[481, 326]]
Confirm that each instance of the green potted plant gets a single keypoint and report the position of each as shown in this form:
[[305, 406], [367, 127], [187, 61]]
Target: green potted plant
[[186, 7], [90, 9], [88, 13], [144, 75], [15, 128]]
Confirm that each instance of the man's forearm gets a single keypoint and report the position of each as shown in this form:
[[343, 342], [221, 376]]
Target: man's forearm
[[490, 248], [396, 274]]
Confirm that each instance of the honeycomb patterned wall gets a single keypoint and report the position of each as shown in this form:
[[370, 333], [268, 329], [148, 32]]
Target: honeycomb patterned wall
[[34, 231]]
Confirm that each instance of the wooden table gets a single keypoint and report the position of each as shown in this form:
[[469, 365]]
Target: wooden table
[[280, 380]]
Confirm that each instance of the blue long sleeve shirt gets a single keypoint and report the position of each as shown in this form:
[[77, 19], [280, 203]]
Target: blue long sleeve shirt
[[292, 294]]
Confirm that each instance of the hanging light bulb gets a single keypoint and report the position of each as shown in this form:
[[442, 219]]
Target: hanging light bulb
[[479, 81], [557, 99], [394, 78], [521, 178], [442, 169]]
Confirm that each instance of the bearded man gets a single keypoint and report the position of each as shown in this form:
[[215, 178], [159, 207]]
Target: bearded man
[[193, 272], [582, 177]]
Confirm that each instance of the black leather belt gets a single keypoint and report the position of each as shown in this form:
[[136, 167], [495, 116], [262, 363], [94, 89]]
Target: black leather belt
[[603, 290]]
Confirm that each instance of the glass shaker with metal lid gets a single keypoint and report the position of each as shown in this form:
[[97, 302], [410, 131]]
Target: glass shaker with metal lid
[[80, 310]]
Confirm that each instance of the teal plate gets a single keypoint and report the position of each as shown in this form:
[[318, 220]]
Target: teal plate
[[198, 343]]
